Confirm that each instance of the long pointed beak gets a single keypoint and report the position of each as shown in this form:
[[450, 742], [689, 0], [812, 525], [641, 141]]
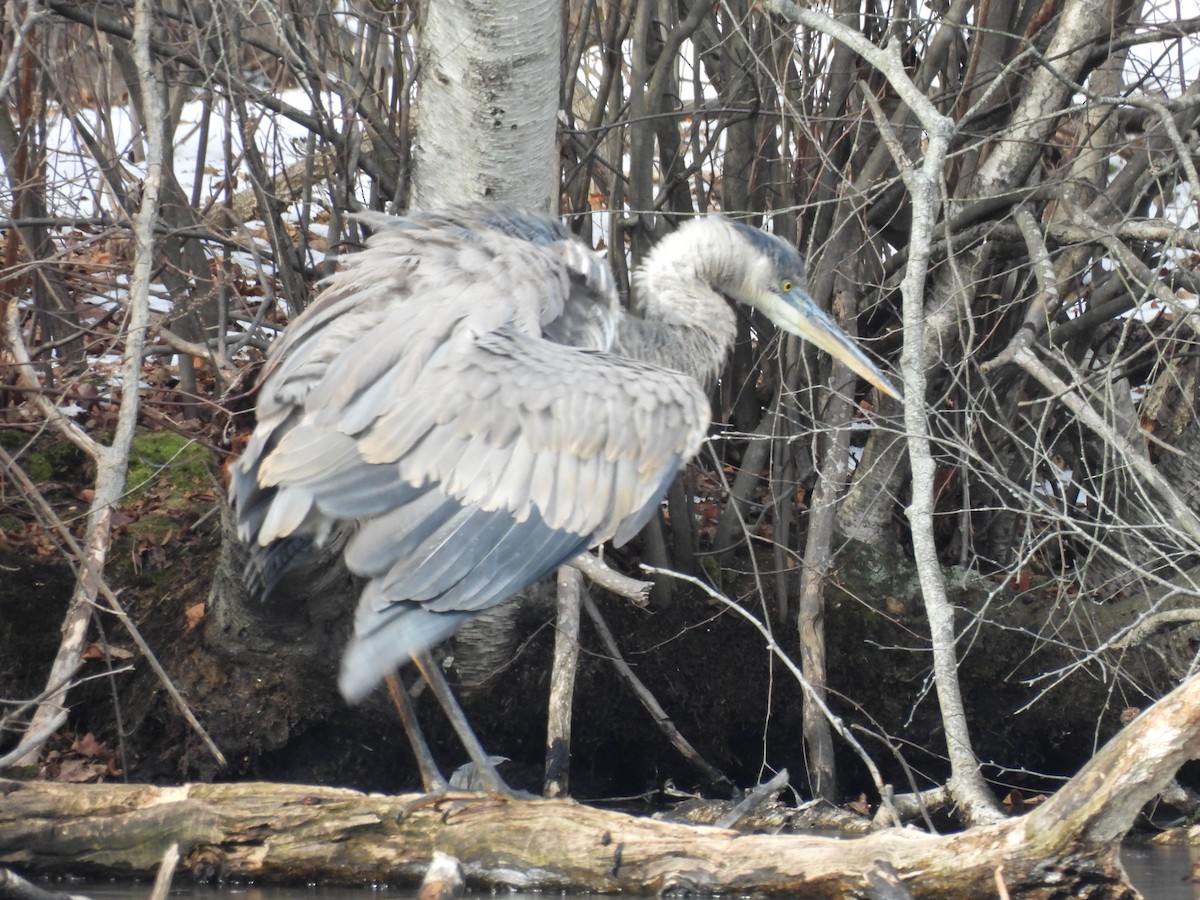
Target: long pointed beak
[[799, 315]]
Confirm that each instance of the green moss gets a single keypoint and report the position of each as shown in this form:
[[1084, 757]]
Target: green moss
[[180, 462], [38, 467], [48, 457], [153, 526]]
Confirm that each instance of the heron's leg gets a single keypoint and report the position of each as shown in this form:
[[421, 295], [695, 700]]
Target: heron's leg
[[488, 777], [431, 777]]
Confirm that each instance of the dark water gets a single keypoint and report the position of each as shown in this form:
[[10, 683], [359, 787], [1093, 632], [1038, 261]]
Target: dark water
[[123, 890], [1160, 873]]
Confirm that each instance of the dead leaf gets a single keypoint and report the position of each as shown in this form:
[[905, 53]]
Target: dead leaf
[[193, 616], [861, 806], [94, 651], [80, 771], [89, 746]]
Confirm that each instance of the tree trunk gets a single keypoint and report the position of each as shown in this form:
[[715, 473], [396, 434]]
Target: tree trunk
[[486, 119], [486, 125]]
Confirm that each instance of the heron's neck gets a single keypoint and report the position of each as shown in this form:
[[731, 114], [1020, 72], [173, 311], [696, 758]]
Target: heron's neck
[[684, 348], [686, 323]]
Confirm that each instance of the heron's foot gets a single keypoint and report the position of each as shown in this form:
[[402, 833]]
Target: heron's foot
[[440, 794], [479, 776], [457, 799], [512, 794], [482, 777], [470, 782]]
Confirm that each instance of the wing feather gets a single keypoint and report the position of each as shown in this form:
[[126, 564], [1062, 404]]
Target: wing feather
[[456, 550], [287, 512], [398, 533]]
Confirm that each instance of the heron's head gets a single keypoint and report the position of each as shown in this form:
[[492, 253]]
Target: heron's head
[[770, 277]]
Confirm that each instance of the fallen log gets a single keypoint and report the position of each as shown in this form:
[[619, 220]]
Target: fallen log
[[287, 833]]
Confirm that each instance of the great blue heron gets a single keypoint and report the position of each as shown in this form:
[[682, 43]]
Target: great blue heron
[[468, 397]]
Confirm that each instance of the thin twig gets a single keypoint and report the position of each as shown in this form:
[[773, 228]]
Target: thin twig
[[923, 182], [166, 871], [51, 519], [33, 740], [886, 60], [562, 682], [611, 580], [24, 369], [1182, 516], [779, 653], [643, 693], [112, 461]]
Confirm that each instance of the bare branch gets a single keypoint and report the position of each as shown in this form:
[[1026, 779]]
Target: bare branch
[[600, 572]]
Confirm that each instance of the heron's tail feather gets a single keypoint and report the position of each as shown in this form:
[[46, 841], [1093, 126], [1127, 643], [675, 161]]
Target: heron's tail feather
[[268, 565], [398, 632]]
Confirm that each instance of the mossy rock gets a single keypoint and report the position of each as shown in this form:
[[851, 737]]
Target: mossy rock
[[180, 464]]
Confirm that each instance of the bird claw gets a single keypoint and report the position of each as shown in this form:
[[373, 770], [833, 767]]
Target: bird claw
[[459, 798]]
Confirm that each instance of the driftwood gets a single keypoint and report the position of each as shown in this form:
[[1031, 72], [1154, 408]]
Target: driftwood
[[286, 833]]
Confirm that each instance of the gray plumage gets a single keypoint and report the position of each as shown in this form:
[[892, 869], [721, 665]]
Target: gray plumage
[[469, 398]]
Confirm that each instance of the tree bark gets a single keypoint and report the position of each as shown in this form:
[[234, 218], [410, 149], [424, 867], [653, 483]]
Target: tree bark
[[562, 682], [289, 833], [486, 123]]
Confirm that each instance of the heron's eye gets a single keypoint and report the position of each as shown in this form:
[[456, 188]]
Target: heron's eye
[[786, 285]]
